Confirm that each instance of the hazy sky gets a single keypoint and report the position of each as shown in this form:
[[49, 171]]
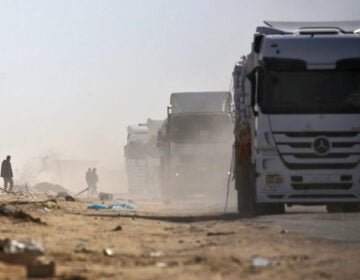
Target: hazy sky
[[74, 74]]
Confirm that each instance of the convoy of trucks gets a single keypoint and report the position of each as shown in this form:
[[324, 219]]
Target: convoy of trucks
[[297, 108], [297, 124]]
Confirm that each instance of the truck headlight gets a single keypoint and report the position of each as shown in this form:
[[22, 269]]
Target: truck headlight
[[270, 179]]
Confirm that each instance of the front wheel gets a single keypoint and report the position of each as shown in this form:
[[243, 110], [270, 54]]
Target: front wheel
[[343, 207], [351, 207], [271, 208], [245, 186]]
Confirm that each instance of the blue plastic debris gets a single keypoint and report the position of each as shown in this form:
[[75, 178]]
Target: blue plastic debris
[[123, 206], [116, 206], [97, 206]]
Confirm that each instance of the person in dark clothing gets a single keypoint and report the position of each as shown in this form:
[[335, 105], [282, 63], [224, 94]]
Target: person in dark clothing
[[95, 180], [7, 174], [88, 178]]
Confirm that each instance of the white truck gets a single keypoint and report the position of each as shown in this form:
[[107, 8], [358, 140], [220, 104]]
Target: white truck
[[143, 160], [195, 142], [136, 159], [297, 127]]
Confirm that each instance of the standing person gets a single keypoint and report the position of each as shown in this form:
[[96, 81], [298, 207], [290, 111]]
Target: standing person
[[88, 178], [7, 174], [95, 180]]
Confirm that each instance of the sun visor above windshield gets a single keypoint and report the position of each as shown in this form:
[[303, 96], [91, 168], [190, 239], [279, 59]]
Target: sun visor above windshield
[[323, 52], [295, 26]]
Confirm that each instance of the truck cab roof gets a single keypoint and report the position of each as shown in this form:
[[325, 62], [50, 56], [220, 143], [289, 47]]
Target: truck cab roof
[[200, 102], [310, 45], [291, 27]]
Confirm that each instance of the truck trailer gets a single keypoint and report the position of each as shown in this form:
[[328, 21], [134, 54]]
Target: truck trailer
[[297, 118]]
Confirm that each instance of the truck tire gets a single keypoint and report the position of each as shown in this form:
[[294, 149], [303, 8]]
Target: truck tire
[[164, 186], [271, 208], [334, 208], [245, 186], [351, 207]]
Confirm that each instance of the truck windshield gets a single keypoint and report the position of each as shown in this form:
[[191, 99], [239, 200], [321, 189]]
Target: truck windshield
[[309, 92], [201, 128], [136, 150]]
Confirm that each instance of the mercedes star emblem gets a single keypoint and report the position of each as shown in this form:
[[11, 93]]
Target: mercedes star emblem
[[321, 146]]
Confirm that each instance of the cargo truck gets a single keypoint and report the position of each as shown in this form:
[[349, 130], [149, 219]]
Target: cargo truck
[[195, 143], [297, 118]]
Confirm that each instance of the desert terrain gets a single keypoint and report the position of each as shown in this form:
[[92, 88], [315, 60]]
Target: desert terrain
[[176, 241]]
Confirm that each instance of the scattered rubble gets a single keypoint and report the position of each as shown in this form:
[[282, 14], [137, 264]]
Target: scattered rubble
[[259, 261], [106, 196], [29, 254], [117, 228], [10, 212], [220, 233], [156, 254], [108, 252], [48, 187], [69, 198], [117, 206], [41, 267]]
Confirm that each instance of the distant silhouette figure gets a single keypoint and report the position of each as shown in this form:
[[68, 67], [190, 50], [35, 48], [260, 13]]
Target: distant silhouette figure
[[91, 180], [7, 174], [88, 180], [95, 180]]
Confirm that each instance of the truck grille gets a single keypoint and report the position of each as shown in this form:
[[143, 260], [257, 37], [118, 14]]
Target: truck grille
[[319, 150]]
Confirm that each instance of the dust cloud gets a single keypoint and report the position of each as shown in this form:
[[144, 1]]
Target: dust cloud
[[187, 160]]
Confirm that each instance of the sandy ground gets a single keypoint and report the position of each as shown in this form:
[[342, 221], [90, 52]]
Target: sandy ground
[[170, 242]]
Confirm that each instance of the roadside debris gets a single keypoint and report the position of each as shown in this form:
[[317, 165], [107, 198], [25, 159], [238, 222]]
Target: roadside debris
[[10, 246], [84, 190], [41, 267], [62, 194], [117, 206], [69, 198], [48, 187], [117, 228], [18, 215], [220, 233], [156, 254], [108, 252], [106, 196], [259, 261], [97, 206], [29, 254], [160, 264], [81, 248], [123, 206]]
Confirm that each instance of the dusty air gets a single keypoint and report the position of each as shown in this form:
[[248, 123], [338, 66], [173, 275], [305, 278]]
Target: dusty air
[[256, 180]]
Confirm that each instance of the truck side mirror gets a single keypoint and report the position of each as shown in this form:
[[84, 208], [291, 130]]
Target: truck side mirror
[[257, 42], [169, 110]]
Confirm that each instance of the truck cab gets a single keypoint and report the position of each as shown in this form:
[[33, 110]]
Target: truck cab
[[195, 141], [297, 97]]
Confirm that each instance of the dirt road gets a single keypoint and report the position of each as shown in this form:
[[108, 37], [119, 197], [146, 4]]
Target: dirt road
[[175, 242]]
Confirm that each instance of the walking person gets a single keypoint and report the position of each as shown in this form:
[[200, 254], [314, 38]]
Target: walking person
[[7, 174], [95, 180], [88, 178]]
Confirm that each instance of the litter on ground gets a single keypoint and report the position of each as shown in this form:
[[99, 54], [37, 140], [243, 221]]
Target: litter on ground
[[116, 206]]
